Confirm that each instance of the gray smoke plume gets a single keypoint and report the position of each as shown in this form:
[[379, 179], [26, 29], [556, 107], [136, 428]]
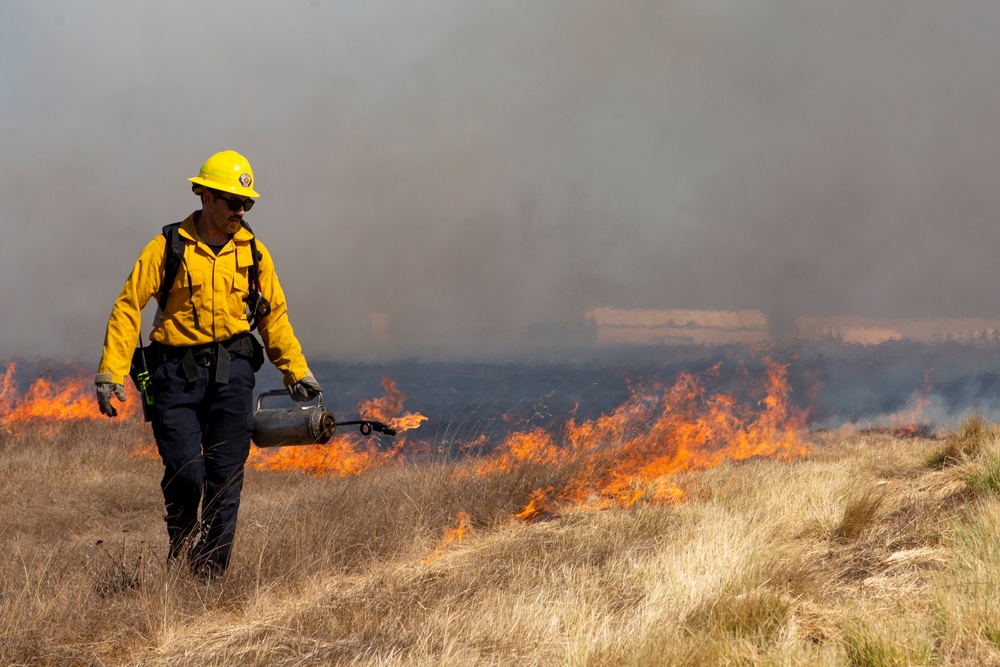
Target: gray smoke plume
[[475, 173]]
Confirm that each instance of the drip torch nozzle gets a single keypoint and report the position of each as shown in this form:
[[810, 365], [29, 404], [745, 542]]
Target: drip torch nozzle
[[367, 426]]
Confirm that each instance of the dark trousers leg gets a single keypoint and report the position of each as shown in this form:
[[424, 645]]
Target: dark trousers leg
[[177, 429], [202, 431], [229, 425]]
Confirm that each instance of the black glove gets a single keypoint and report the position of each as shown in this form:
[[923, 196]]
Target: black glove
[[104, 391], [305, 389]]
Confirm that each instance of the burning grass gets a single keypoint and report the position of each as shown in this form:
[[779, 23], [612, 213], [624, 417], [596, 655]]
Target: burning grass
[[832, 548]]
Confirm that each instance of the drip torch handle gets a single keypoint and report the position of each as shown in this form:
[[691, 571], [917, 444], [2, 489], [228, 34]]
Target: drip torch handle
[[284, 392]]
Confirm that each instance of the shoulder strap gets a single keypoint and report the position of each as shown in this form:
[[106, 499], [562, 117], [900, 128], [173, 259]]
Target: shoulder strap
[[258, 305], [254, 271], [172, 258]]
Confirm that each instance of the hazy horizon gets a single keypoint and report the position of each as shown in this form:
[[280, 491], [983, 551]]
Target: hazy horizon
[[477, 171]]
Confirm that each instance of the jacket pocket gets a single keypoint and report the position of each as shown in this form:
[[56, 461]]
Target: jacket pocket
[[183, 300], [238, 295]]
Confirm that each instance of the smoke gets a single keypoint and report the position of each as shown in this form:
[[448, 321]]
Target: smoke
[[478, 171]]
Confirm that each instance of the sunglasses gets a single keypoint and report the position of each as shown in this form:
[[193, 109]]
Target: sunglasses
[[234, 204]]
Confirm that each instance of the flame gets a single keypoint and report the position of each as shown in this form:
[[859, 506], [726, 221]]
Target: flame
[[342, 456], [632, 454], [912, 420], [907, 420], [146, 450], [71, 399], [540, 506], [388, 408], [459, 532]]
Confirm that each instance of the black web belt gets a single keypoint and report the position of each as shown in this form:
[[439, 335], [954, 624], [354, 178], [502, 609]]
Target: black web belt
[[219, 358], [218, 355]]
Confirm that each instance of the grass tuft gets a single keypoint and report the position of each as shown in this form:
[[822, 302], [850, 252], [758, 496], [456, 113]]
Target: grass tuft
[[758, 616], [122, 572], [966, 443], [860, 510], [865, 648], [984, 478]]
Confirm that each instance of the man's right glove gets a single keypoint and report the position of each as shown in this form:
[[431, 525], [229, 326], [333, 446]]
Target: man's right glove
[[104, 391], [305, 389]]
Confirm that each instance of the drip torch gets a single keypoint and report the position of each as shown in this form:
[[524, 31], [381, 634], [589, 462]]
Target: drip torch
[[302, 425]]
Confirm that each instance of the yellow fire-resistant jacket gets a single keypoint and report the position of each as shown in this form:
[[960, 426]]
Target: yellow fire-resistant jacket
[[220, 285]]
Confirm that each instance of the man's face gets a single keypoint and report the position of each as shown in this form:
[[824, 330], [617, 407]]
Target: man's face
[[225, 211]]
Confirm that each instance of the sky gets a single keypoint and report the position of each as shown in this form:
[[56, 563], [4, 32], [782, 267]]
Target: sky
[[482, 171]]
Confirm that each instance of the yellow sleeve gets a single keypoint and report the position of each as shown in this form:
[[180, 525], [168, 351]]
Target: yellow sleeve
[[126, 315], [283, 348]]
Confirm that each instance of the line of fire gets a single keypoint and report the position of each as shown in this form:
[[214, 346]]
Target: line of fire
[[701, 388]]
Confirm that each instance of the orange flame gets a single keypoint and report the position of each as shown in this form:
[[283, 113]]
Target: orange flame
[[342, 456], [631, 454], [64, 400], [912, 420], [459, 532], [907, 421], [388, 408], [540, 506]]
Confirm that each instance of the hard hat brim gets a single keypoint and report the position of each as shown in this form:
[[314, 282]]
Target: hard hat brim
[[214, 184]]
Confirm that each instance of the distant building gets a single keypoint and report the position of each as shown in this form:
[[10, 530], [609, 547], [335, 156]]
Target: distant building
[[875, 330], [634, 326]]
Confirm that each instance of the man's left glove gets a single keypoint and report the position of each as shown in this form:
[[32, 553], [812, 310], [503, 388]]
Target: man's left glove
[[104, 391], [305, 389]]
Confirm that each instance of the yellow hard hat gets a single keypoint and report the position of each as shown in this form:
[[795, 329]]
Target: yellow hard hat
[[227, 171]]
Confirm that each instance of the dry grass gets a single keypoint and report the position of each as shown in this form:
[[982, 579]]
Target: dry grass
[[861, 554], [973, 435]]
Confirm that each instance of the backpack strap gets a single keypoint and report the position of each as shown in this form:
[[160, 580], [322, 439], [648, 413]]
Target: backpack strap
[[173, 257], [258, 306]]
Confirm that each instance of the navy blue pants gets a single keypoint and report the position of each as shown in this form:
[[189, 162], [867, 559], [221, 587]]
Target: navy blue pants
[[202, 432]]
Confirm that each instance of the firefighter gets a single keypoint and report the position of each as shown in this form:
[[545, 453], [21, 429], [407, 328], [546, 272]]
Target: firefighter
[[203, 356]]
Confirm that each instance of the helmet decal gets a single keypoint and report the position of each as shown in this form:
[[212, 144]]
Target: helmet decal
[[245, 180]]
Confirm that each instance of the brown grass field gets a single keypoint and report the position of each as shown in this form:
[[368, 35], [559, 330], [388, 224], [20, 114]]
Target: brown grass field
[[870, 550]]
